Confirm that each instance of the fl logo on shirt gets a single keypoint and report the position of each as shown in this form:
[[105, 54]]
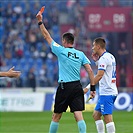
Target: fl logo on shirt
[[73, 55]]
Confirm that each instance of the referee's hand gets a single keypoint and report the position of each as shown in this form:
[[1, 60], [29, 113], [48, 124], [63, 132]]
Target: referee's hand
[[85, 90], [39, 14]]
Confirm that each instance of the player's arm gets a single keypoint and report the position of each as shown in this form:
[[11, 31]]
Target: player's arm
[[10, 73], [44, 31], [99, 75], [92, 83], [3, 74], [97, 78]]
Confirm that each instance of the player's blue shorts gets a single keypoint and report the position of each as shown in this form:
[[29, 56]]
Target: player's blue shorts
[[105, 104]]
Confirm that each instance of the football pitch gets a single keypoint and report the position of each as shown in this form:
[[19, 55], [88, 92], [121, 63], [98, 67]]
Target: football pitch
[[38, 122]]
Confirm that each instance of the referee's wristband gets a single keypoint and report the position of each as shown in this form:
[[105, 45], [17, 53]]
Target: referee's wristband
[[40, 23], [92, 88]]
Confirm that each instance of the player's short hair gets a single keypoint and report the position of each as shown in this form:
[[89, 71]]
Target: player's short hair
[[100, 41], [69, 37]]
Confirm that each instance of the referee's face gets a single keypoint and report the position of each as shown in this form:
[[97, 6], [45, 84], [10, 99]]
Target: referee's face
[[64, 43]]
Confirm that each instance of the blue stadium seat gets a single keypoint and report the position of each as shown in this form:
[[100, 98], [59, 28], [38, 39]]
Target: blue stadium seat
[[57, 38], [27, 54], [55, 29], [22, 62], [39, 46], [14, 61], [38, 63], [30, 62], [8, 62]]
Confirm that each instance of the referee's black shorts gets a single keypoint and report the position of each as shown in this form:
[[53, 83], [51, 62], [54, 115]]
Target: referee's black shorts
[[69, 94]]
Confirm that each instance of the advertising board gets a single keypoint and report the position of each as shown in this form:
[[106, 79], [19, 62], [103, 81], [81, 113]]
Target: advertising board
[[115, 19]]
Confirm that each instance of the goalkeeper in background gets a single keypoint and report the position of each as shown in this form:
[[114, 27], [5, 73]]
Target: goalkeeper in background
[[106, 76], [69, 92]]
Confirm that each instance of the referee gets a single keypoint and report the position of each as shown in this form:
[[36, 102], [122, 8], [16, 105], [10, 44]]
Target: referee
[[69, 92]]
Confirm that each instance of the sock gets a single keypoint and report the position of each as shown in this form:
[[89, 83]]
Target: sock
[[110, 127], [53, 127], [81, 126], [100, 126]]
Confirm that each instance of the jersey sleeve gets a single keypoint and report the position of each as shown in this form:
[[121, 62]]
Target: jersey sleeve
[[85, 60], [102, 64], [56, 48]]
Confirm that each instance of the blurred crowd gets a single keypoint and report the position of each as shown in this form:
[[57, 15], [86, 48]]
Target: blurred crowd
[[22, 45]]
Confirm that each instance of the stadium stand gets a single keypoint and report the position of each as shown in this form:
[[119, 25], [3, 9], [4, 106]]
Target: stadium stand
[[22, 45]]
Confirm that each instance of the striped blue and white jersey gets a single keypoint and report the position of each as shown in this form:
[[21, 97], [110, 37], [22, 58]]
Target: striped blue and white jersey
[[107, 84]]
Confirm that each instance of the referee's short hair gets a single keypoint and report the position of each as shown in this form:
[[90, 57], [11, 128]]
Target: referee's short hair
[[69, 37], [100, 41]]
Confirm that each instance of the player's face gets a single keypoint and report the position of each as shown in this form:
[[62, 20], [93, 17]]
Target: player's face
[[95, 48]]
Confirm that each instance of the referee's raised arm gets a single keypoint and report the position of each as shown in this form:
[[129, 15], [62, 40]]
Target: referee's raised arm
[[44, 31]]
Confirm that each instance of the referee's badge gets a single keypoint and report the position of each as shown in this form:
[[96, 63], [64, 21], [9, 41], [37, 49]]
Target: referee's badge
[[56, 44]]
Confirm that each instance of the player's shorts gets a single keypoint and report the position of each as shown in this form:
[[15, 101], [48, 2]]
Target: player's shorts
[[105, 104], [69, 94]]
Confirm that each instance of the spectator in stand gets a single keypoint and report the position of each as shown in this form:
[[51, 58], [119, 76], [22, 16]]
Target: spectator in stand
[[123, 53], [123, 78], [53, 14], [42, 76], [18, 47], [32, 79], [88, 47], [105, 36]]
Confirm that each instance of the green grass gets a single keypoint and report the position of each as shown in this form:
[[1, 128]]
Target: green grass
[[38, 122]]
